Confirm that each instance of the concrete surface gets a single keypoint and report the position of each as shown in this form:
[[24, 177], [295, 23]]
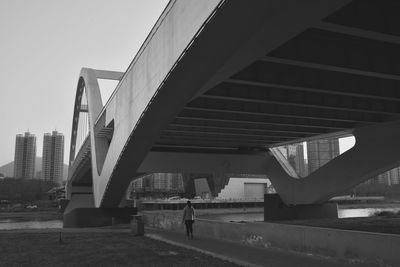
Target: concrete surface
[[244, 255], [349, 246], [184, 56], [96, 217]]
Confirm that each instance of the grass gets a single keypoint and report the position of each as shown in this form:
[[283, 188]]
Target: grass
[[95, 249]]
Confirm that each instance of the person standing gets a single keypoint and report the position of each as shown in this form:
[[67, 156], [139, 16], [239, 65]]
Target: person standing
[[188, 219]]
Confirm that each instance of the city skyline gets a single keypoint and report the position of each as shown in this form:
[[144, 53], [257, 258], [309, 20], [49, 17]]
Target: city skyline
[[43, 49]]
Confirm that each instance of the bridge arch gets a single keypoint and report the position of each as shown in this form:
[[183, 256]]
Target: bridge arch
[[99, 136], [215, 84]]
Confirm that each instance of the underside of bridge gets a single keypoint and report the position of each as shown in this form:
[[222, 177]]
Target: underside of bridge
[[246, 78], [339, 74]]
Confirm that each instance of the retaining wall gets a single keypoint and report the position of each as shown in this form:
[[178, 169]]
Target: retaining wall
[[353, 246]]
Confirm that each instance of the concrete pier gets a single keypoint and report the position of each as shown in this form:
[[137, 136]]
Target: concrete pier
[[97, 217], [276, 210]]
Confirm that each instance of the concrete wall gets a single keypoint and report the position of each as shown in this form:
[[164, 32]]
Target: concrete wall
[[201, 187], [236, 188], [353, 246], [97, 217]]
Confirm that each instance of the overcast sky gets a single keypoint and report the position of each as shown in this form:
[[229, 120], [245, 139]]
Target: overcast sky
[[43, 46]]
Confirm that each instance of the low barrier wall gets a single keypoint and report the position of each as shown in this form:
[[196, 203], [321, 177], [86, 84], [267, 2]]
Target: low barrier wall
[[179, 205], [354, 246]]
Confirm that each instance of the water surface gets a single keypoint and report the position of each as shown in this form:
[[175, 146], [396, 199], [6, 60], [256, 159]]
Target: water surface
[[259, 216]]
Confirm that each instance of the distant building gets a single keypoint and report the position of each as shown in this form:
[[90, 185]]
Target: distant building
[[320, 152], [53, 157], [394, 176], [294, 153], [25, 155], [158, 182], [245, 188], [391, 177]]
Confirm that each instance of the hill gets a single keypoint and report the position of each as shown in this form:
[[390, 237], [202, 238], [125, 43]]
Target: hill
[[8, 169]]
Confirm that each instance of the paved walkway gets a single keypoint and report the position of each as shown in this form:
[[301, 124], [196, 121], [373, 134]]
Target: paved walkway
[[245, 255]]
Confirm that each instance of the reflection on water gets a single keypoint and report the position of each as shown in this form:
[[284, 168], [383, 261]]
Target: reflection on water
[[9, 224], [259, 216], [364, 212]]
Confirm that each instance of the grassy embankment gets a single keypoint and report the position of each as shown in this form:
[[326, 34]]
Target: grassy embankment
[[31, 215], [95, 249]]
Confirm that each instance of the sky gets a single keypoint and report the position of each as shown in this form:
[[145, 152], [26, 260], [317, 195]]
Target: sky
[[346, 143], [43, 46]]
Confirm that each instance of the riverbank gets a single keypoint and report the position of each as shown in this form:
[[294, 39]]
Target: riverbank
[[20, 216], [379, 224], [54, 214], [95, 249]]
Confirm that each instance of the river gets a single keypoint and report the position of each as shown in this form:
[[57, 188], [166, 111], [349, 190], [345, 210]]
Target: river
[[12, 224], [343, 212]]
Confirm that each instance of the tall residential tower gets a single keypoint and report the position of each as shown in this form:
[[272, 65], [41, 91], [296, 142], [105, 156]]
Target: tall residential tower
[[53, 157], [25, 156], [321, 151]]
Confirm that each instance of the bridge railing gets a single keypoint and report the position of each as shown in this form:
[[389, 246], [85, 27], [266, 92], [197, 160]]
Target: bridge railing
[[83, 153]]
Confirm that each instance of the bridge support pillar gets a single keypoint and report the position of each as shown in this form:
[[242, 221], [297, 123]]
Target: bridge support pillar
[[97, 217], [81, 212], [375, 151], [276, 210]]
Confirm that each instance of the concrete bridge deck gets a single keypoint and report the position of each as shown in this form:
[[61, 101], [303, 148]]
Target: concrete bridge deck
[[218, 83]]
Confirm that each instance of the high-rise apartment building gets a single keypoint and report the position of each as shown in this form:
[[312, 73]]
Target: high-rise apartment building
[[394, 176], [159, 182], [53, 157], [294, 154], [320, 152], [25, 156], [391, 177]]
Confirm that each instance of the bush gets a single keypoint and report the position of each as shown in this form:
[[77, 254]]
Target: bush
[[25, 190], [385, 213]]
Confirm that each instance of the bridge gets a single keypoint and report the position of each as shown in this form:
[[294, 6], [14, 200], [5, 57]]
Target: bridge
[[218, 84]]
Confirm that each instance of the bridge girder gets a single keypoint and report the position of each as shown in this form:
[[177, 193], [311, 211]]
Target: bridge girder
[[286, 71]]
